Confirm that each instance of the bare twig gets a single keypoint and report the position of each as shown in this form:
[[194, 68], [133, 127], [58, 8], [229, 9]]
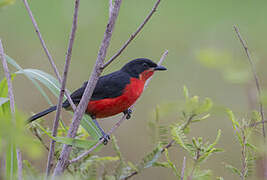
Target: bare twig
[[12, 103], [118, 123], [46, 51], [183, 168], [110, 7], [64, 156], [253, 69], [62, 90], [133, 35]]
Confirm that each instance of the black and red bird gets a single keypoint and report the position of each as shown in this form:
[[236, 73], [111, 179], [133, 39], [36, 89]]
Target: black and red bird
[[114, 93]]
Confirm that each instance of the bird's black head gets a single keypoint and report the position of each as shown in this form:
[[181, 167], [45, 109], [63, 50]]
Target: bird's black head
[[137, 67]]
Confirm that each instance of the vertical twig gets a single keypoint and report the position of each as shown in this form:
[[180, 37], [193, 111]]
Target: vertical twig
[[46, 51], [110, 7], [12, 103], [62, 90], [133, 35], [64, 156], [183, 168], [253, 69]]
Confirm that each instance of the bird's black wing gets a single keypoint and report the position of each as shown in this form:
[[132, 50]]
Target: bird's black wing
[[108, 86]]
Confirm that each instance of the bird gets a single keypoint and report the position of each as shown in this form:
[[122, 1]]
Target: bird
[[114, 93]]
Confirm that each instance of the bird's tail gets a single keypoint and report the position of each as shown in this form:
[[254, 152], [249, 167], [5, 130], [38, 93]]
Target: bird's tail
[[41, 114]]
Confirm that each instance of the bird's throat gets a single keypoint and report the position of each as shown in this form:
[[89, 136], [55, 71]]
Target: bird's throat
[[146, 74]]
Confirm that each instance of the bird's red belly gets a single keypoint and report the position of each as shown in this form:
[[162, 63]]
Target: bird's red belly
[[111, 106]]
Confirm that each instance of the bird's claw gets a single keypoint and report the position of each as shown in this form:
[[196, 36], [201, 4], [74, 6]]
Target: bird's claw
[[106, 139], [128, 113]]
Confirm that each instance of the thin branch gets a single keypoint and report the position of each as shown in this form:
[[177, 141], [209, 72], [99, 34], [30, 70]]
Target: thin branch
[[110, 7], [62, 90], [118, 123], [64, 156], [12, 102], [183, 168], [257, 123], [133, 35], [253, 69], [46, 51]]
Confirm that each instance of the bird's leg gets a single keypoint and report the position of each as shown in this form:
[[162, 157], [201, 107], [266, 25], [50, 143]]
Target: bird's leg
[[128, 112], [104, 135]]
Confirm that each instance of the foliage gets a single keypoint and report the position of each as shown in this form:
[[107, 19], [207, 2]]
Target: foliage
[[243, 132]]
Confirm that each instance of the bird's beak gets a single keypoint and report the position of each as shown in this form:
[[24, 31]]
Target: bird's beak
[[160, 68]]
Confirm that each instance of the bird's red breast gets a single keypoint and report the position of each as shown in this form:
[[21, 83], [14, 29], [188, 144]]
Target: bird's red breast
[[111, 106]]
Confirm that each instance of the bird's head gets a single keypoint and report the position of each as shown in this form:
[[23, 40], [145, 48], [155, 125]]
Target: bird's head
[[141, 68]]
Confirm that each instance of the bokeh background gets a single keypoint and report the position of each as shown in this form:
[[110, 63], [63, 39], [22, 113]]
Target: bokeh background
[[204, 54]]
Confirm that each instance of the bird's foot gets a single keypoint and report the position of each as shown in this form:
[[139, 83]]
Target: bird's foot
[[128, 113], [106, 138]]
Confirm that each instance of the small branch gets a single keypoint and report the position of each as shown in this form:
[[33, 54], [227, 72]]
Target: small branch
[[118, 123], [133, 35], [183, 168], [257, 123], [253, 69], [12, 102], [46, 51], [64, 156], [62, 90], [110, 7]]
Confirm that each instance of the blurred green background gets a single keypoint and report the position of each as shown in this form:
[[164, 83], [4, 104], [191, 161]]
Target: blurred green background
[[204, 54]]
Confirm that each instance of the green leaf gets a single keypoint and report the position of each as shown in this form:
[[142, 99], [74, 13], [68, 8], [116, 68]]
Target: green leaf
[[15, 64], [233, 169], [180, 138], [6, 3], [171, 164], [204, 107], [216, 140], [4, 87], [80, 143], [11, 161], [90, 127], [161, 164], [200, 119], [3, 100], [203, 174], [186, 93], [49, 81], [236, 125], [150, 158]]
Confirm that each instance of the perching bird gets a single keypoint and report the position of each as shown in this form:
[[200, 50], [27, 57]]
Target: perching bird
[[114, 93]]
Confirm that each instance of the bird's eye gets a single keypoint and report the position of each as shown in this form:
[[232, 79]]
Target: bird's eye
[[145, 65]]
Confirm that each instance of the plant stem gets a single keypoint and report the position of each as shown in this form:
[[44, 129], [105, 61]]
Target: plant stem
[[133, 35], [253, 69], [64, 156], [46, 50], [12, 103], [62, 90]]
